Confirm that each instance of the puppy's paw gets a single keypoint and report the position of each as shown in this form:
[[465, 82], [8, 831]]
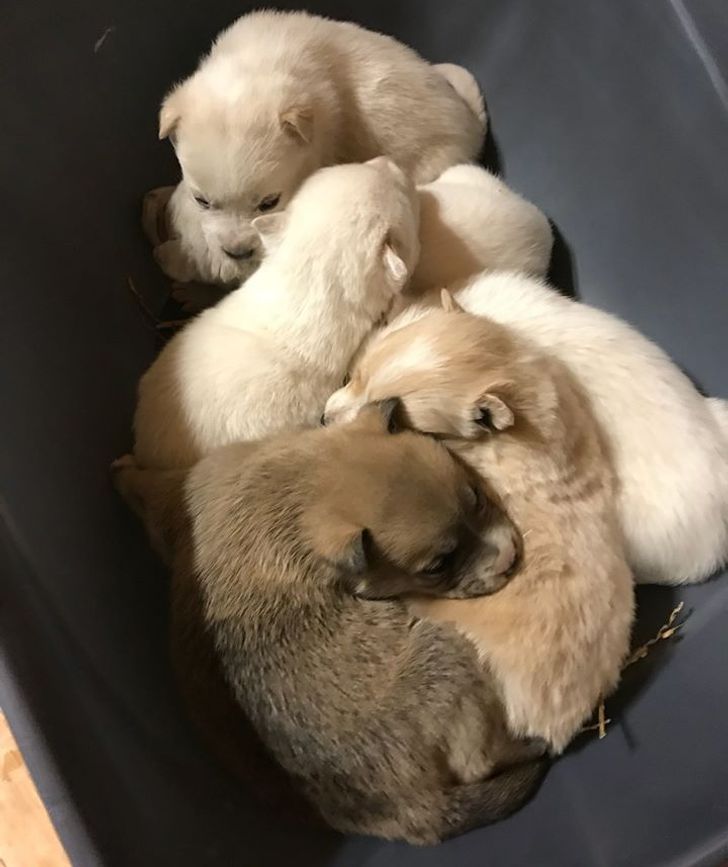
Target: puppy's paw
[[194, 297], [473, 586], [154, 215], [534, 748], [123, 470], [123, 463], [172, 260]]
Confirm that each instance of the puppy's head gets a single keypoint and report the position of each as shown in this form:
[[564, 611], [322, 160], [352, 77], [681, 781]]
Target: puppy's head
[[359, 221], [395, 513], [244, 143], [457, 376]]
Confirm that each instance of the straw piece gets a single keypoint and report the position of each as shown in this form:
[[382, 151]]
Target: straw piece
[[666, 631], [143, 306]]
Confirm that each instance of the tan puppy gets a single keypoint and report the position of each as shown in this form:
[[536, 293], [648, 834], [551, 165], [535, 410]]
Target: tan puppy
[[388, 724], [556, 636]]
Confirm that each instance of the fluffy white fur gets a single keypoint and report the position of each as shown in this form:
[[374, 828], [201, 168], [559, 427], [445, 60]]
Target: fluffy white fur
[[669, 444], [267, 357], [282, 94], [470, 221]]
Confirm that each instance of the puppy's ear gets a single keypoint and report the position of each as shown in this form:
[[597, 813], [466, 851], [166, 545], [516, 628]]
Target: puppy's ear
[[386, 163], [378, 162], [297, 121], [449, 304], [170, 114], [270, 228], [343, 545], [352, 557], [492, 413], [394, 264], [383, 416], [488, 414]]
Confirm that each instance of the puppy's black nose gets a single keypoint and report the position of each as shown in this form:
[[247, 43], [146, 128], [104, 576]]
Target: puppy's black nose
[[243, 253]]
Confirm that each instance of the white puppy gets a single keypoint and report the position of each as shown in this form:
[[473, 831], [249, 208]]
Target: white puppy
[[470, 221], [669, 444], [268, 356], [282, 94]]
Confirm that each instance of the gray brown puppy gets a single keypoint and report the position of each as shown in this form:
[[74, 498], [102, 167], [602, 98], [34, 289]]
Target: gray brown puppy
[[388, 723]]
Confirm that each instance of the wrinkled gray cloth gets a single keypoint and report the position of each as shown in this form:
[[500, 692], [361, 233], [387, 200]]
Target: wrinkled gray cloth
[[612, 117]]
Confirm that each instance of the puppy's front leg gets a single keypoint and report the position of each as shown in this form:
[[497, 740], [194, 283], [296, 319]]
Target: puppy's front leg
[[381, 584], [154, 215], [175, 263], [472, 586]]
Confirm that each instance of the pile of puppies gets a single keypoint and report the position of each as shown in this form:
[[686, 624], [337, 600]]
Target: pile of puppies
[[419, 600]]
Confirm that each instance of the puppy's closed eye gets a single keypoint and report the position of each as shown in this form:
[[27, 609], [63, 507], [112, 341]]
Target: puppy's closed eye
[[440, 564], [202, 202], [268, 203], [474, 497]]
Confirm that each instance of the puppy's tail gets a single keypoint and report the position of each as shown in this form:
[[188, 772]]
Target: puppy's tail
[[464, 83], [473, 805]]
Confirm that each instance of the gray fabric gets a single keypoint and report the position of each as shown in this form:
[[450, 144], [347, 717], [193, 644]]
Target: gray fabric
[[613, 117]]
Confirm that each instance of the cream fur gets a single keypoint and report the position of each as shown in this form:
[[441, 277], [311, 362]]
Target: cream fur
[[266, 357], [282, 94], [669, 444], [470, 221], [556, 636]]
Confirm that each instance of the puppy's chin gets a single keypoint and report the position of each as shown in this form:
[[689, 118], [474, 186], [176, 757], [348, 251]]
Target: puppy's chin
[[230, 272], [217, 267]]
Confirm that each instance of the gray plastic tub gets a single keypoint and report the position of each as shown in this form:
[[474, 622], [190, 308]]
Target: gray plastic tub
[[613, 117]]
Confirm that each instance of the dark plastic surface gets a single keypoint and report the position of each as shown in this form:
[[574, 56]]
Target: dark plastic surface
[[613, 117]]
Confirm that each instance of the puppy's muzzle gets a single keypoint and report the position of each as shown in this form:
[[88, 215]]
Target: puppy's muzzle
[[509, 557], [240, 254]]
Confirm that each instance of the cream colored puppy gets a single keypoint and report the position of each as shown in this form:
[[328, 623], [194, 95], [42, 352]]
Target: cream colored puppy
[[556, 636], [281, 94], [470, 221], [669, 444], [266, 358]]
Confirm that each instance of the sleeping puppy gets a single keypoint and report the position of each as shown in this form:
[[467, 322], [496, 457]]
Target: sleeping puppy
[[556, 636], [280, 95], [388, 724], [470, 221], [668, 443], [268, 356]]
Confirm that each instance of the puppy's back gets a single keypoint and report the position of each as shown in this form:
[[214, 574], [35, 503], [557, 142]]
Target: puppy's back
[[392, 101], [470, 221]]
